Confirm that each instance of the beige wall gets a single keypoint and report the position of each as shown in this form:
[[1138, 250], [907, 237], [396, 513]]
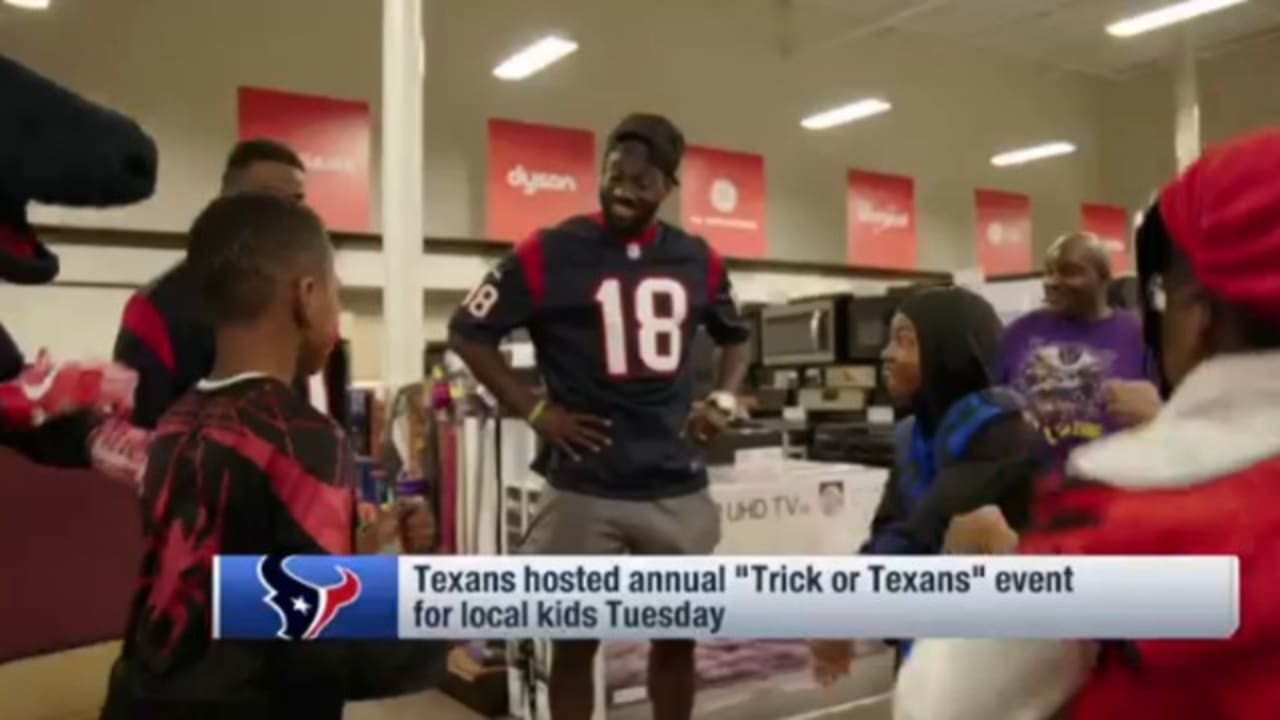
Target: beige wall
[[1240, 89], [1138, 137], [712, 66], [1238, 93]]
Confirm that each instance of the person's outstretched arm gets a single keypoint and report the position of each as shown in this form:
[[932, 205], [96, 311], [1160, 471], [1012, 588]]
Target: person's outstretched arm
[[53, 413]]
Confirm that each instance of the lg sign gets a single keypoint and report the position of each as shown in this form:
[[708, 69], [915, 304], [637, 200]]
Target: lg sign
[[724, 195], [722, 199], [1002, 229], [1000, 234]]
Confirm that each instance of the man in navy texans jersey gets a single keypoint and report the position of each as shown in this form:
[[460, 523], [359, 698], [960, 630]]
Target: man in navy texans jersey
[[612, 302]]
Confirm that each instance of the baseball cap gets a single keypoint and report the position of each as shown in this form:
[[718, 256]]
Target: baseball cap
[[663, 138]]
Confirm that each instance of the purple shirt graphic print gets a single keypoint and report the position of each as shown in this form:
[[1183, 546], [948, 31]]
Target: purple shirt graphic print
[[1061, 365]]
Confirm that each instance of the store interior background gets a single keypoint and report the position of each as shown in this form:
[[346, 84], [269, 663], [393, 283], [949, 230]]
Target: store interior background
[[967, 79]]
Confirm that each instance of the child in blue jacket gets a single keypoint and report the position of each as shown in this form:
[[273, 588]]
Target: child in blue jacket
[[965, 444]]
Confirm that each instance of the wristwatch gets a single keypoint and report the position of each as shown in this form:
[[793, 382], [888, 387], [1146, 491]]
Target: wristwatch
[[724, 401]]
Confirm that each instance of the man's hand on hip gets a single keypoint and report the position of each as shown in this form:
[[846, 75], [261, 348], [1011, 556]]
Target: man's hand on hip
[[711, 417], [705, 423], [574, 433]]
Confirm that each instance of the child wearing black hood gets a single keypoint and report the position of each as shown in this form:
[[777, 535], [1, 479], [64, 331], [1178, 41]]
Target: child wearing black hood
[[965, 444]]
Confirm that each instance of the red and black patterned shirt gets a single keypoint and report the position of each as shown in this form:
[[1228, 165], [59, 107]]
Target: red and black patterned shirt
[[244, 466]]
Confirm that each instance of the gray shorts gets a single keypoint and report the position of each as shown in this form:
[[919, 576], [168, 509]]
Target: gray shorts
[[569, 523]]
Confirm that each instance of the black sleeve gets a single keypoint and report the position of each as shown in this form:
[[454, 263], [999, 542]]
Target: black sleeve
[[396, 667], [360, 669], [895, 531], [11, 360], [337, 380], [143, 344], [62, 442], [999, 467], [502, 302], [889, 510], [723, 320]]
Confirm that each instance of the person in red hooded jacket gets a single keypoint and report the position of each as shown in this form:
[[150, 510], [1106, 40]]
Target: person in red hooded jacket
[[1201, 478]]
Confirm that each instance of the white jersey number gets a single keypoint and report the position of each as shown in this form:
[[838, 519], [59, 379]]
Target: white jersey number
[[481, 301], [657, 325]]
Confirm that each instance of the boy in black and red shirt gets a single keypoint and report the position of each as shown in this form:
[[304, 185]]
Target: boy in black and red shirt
[[244, 465]]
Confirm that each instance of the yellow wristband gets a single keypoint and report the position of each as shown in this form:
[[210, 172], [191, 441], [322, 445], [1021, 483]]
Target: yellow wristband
[[537, 411]]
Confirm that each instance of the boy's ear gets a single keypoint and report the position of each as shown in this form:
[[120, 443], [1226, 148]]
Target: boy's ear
[[301, 291]]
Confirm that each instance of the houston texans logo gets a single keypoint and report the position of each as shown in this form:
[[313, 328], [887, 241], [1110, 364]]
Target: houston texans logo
[[305, 608]]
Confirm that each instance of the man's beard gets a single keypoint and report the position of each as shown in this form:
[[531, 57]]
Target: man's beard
[[625, 227]]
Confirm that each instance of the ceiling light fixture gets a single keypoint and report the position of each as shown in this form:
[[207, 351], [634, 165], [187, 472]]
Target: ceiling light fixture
[[29, 4], [1166, 16], [534, 58], [1025, 155], [857, 110]]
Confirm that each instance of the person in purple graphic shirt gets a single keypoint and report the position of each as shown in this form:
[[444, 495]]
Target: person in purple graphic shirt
[[1079, 364]]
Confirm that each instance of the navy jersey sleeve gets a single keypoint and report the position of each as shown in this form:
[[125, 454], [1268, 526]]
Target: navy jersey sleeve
[[505, 299], [143, 343], [723, 320]]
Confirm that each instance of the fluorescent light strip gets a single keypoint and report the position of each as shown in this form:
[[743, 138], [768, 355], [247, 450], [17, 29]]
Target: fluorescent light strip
[[29, 4], [1033, 153], [1168, 15], [848, 113], [534, 58]]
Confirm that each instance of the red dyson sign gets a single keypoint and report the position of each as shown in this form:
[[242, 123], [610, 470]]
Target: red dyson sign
[[722, 198], [880, 213], [1111, 225], [333, 139], [1002, 230], [538, 175]]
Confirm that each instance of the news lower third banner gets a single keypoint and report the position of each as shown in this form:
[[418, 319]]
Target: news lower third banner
[[769, 597]]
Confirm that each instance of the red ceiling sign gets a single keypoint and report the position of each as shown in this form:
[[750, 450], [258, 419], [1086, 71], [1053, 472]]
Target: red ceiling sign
[[538, 175], [722, 198], [1111, 225], [1002, 230], [333, 139], [880, 212]]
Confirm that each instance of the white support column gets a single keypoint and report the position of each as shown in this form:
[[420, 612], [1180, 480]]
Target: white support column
[[1186, 96], [403, 60]]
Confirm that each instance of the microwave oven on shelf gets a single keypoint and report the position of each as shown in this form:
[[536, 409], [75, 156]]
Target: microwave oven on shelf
[[824, 331]]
